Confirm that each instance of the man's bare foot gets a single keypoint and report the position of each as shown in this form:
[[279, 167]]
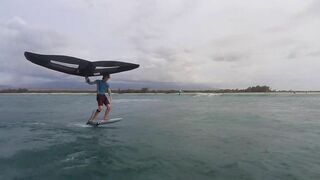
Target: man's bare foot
[[105, 120]]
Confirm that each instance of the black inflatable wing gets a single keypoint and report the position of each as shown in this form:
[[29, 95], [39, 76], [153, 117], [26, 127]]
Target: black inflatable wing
[[79, 67]]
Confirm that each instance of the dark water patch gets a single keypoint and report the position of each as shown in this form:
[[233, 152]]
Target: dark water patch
[[77, 159]]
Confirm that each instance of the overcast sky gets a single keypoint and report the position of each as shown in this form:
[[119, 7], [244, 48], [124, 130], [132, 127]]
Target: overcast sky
[[219, 43]]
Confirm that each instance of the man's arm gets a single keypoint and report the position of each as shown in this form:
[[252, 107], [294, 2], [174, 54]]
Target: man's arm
[[90, 82], [109, 93]]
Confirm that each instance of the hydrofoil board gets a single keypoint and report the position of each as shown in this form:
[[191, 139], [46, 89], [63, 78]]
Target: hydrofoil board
[[103, 122]]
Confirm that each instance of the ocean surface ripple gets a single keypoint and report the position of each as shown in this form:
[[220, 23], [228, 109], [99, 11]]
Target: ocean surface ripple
[[161, 136]]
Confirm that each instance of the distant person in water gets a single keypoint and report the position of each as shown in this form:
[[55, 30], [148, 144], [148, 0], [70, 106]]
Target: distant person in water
[[102, 88]]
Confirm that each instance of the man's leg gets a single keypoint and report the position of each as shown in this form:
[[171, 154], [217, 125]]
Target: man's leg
[[96, 113], [106, 114]]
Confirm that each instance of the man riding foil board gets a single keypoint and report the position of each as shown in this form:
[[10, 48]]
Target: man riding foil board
[[102, 99]]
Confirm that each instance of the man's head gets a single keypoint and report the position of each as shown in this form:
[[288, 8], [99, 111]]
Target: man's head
[[105, 77]]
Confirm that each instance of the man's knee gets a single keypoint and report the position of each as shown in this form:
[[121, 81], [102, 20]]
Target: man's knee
[[99, 109]]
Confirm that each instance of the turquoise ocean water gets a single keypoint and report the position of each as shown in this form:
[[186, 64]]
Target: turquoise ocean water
[[161, 136]]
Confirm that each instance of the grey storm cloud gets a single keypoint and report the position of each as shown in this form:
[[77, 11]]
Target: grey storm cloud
[[304, 52], [16, 37], [313, 9], [229, 57], [227, 44]]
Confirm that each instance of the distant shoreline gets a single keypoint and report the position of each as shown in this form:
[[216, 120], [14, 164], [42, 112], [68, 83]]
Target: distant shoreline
[[147, 91]]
